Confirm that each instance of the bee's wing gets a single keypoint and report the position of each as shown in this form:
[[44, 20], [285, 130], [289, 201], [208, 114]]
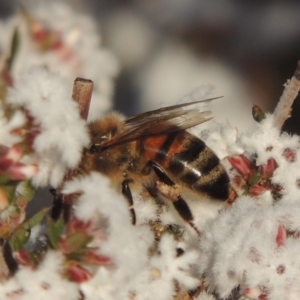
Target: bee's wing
[[166, 110], [161, 121]]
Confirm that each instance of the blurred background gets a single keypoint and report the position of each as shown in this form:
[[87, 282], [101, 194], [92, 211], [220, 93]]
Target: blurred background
[[242, 50]]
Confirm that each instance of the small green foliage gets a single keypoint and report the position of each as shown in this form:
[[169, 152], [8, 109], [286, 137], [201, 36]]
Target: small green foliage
[[254, 178], [21, 235], [15, 45], [35, 219], [77, 242], [55, 229], [27, 190], [257, 113], [9, 189], [19, 238]]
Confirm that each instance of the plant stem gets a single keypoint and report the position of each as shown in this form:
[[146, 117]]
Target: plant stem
[[283, 108]]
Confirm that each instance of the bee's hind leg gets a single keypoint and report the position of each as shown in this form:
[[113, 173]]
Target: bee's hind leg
[[171, 191], [127, 194]]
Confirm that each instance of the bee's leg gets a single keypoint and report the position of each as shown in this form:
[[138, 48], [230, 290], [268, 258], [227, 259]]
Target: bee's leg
[[127, 194], [172, 192]]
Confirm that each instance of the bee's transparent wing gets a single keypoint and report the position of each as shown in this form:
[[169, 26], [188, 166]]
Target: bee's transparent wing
[[161, 121], [165, 110]]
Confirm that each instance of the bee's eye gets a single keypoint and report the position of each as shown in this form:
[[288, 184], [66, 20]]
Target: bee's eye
[[94, 148]]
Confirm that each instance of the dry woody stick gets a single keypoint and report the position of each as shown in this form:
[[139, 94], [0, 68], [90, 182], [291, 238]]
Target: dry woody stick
[[283, 108]]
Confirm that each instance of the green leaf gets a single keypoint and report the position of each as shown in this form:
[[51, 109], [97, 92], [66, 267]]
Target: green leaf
[[257, 113], [9, 189], [255, 177], [78, 241], [35, 219], [15, 45], [19, 238], [21, 235], [55, 229], [26, 191]]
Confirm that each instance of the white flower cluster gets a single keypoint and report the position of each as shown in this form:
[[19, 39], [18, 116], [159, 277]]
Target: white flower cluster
[[254, 244], [85, 56], [45, 283], [247, 246], [62, 133], [134, 271], [7, 127], [78, 52]]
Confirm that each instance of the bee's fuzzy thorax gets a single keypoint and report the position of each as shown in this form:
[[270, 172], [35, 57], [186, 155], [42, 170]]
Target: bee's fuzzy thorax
[[107, 126]]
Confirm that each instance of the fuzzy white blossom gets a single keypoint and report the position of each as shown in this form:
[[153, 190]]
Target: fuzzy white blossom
[[44, 283], [62, 133], [126, 244], [267, 142], [79, 54], [205, 296], [247, 246], [87, 57], [158, 281], [7, 138]]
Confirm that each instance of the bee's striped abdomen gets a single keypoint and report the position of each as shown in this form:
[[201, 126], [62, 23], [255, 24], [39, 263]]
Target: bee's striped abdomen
[[188, 161]]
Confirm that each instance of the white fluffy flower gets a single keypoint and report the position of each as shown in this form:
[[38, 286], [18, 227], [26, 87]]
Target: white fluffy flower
[[80, 54], [63, 134], [44, 283], [247, 246], [266, 142], [7, 138], [126, 245]]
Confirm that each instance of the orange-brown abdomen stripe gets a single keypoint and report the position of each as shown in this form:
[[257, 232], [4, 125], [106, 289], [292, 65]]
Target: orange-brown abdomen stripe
[[156, 148]]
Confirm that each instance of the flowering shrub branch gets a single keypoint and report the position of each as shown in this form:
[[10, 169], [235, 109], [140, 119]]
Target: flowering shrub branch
[[283, 109], [89, 249]]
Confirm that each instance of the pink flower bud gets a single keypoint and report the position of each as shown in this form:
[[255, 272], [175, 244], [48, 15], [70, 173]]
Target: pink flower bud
[[22, 257], [14, 153], [19, 171], [253, 293], [96, 259], [266, 170], [242, 164], [76, 272], [281, 235], [256, 190], [289, 154]]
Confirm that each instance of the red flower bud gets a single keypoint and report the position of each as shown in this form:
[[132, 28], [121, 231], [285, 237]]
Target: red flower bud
[[22, 258], [76, 272], [289, 154], [266, 170], [281, 235], [19, 171], [256, 190], [96, 259], [242, 164]]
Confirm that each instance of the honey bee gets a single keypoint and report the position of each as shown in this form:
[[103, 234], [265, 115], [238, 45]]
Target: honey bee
[[154, 148]]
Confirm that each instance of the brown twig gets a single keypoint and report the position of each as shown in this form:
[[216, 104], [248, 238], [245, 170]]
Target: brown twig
[[82, 93], [283, 108]]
